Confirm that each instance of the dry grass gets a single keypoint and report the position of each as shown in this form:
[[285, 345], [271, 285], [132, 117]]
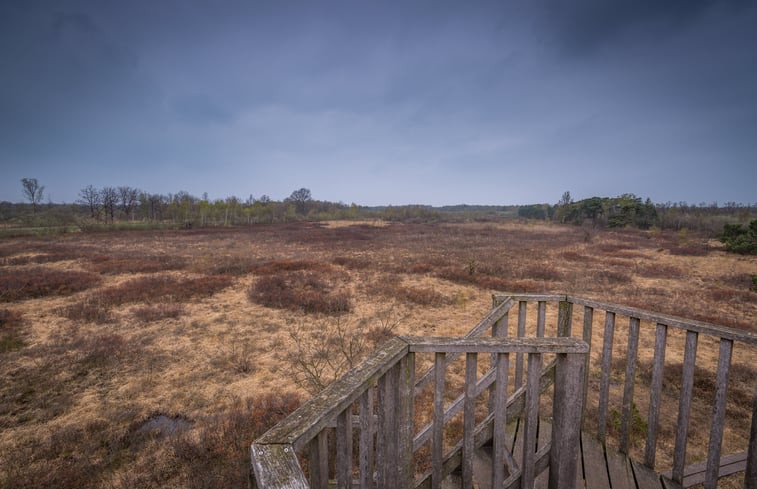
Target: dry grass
[[83, 389]]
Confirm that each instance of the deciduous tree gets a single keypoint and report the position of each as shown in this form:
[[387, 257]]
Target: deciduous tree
[[32, 191]]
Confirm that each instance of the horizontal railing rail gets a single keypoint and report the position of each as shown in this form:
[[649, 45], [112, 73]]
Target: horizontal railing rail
[[382, 392]]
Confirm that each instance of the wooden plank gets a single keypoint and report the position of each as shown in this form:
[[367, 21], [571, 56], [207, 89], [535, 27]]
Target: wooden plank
[[566, 420], [718, 414], [531, 418], [430, 344], [502, 296], [655, 395], [750, 477], [344, 449], [319, 461], [499, 449], [684, 405], [587, 330], [438, 422], [405, 428], [619, 471], [479, 329], [645, 477], [309, 419], [696, 473], [469, 418], [499, 330], [367, 428], [604, 383], [541, 318], [564, 319], [276, 466], [521, 333], [631, 354], [676, 322], [595, 469]]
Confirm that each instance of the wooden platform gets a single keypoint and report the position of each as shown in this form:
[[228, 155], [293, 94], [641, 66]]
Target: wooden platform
[[598, 468]]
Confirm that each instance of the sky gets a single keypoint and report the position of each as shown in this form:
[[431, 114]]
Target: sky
[[382, 102]]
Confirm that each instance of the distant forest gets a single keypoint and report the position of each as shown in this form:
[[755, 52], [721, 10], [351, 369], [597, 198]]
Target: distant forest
[[127, 207]]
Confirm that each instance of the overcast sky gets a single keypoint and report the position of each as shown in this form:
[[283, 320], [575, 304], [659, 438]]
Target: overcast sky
[[382, 102]]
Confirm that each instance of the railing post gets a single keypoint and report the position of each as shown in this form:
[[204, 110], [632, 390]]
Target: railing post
[[367, 427], [344, 449], [319, 461], [604, 383], [564, 318], [750, 478], [684, 405], [566, 426], [469, 418], [655, 392], [588, 324], [406, 397], [521, 333], [718, 414], [437, 441], [631, 353]]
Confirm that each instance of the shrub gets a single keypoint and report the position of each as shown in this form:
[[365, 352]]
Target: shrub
[[139, 264], [10, 324], [157, 312], [226, 265], [90, 309], [155, 289], [299, 290], [740, 239], [40, 281]]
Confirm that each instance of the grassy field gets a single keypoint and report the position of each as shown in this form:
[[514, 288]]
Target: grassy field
[[153, 358]]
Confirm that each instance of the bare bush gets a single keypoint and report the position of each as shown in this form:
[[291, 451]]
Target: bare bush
[[299, 290], [35, 282]]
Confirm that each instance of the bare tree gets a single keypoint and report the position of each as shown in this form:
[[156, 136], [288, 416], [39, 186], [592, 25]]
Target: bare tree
[[128, 198], [33, 191], [90, 197], [300, 198], [109, 199]]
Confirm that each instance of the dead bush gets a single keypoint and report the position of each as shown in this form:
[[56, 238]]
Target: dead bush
[[226, 265], [299, 290], [116, 265], [353, 262], [659, 270], [158, 312], [10, 330], [90, 309], [279, 266], [28, 283], [163, 288]]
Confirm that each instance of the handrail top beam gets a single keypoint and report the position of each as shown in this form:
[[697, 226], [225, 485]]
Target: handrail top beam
[[674, 321], [426, 344]]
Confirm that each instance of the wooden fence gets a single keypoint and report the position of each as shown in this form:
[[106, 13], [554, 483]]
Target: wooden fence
[[374, 404]]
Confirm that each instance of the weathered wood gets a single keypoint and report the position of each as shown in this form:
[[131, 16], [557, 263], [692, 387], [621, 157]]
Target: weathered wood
[[499, 330], [750, 477], [531, 418], [696, 473], [684, 405], [386, 444], [522, 306], [655, 393], [344, 449], [645, 477], [276, 466], [564, 318], [502, 296], [319, 461], [405, 430], [631, 354], [469, 418], [676, 322], [499, 449], [595, 469], [587, 330], [367, 428], [424, 344], [619, 471], [438, 423], [303, 424], [482, 327], [541, 318], [566, 420], [604, 382], [718, 414]]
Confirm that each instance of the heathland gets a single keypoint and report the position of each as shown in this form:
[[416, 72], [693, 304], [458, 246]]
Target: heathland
[[153, 358]]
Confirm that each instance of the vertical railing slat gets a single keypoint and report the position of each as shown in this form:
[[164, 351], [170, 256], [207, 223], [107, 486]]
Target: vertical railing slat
[[437, 440], [405, 430], [631, 354], [319, 461], [684, 405], [500, 420], [718, 414], [587, 331], [367, 429], [604, 383], [750, 477], [521, 333], [344, 449], [386, 453], [532, 418], [469, 418], [655, 391], [566, 431], [541, 318], [499, 330]]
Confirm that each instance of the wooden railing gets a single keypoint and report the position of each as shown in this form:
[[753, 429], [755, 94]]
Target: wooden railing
[[376, 401], [382, 391], [660, 327]]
